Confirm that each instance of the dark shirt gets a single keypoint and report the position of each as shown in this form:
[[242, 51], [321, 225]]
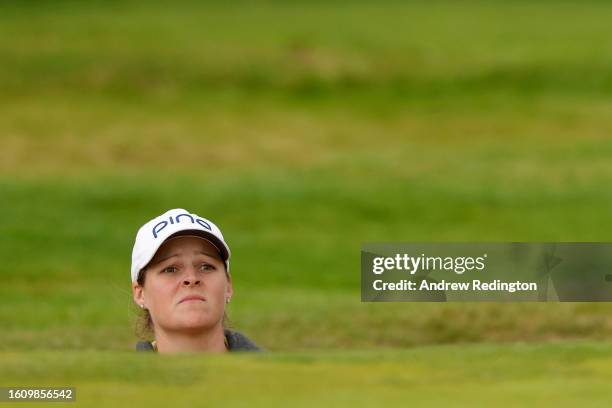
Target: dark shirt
[[235, 341]]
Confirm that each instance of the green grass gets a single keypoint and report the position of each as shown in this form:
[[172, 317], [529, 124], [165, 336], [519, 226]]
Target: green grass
[[303, 130], [507, 376], [67, 258]]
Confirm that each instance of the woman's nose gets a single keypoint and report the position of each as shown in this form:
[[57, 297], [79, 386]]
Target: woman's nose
[[191, 279]]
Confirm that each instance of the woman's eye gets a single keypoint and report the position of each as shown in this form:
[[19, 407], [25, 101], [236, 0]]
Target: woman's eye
[[207, 267], [170, 269]]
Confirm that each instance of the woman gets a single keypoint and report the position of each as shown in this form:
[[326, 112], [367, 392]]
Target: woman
[[181, 280]]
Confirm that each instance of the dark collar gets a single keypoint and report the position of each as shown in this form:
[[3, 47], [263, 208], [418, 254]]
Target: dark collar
[[235, 341]]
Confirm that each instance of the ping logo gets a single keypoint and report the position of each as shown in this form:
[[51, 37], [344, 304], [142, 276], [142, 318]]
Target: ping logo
[[163, 224]]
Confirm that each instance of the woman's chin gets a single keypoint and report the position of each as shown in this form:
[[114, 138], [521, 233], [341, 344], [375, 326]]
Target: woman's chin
[[196, 323]]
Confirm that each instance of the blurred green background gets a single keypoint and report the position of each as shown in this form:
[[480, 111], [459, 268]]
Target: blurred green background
[[303, 130]]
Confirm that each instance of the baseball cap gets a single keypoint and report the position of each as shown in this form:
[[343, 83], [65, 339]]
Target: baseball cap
[[172, 223]]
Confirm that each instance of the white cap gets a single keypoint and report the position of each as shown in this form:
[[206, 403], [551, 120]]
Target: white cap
[[174, 222]]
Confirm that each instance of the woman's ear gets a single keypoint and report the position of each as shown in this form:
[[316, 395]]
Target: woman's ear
[[138, 294], [229, 290]]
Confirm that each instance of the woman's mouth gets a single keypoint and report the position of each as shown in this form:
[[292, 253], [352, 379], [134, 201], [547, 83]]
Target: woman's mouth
[[191, 298]]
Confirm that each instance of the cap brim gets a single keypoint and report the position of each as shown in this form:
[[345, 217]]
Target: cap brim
[[221, 248]]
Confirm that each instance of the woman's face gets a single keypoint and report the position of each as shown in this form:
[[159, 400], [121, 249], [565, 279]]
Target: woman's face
[[186, 286]]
